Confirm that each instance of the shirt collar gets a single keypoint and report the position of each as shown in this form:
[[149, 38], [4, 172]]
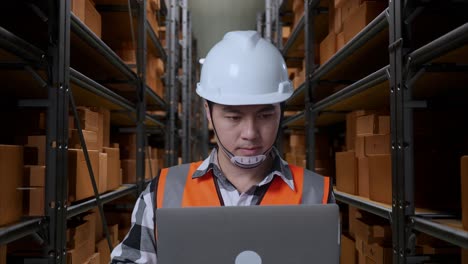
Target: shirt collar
[[280, 168]]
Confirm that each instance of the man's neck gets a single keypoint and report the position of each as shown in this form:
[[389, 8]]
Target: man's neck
[[243, 179]]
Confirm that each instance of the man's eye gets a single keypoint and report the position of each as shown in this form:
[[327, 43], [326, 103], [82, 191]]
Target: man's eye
[[233, 118], [266, 116]]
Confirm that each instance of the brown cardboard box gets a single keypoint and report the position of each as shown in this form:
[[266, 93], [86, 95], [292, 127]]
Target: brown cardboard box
[[40, 143], [78, 233], [356, 19], [338, 23], [464, 191], [11, 178], [91, 218], [377, 253], [114, 179], [78, 8], [33, 201], [103, 249], [103, 172], [327, 47], [380, 178], [351, 128], [340, 41], [94, 259], [348, 7], [377, 144], [98, 225], [3, 254], [103, 132], [464, 256], [348, 250], [90, 138], [79, 182], [81, 253], [353, 214], [367, 125], [346, 172], [384, 125], [89, 120], [129, 170], [372, 231], [360, 147], [34, 175], [93, 18], [363, 177], [113, 233]]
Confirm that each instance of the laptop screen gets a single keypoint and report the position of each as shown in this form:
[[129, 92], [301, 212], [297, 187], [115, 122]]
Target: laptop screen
[[249, 234]]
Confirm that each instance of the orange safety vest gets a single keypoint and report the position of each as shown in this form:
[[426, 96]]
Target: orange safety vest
[[177, 188]]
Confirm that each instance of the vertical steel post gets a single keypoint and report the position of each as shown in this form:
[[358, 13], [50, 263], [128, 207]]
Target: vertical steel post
[[268, 20], [278, 26], [259, 23], [185, 85], [141, 104], [190, 90], [310, 117], [57, 128]]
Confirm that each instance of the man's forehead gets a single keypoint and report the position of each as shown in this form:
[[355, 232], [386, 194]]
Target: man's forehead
[[248, 108]]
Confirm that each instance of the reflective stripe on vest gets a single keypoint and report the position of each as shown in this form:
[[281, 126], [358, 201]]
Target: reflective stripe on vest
[[177, 188]]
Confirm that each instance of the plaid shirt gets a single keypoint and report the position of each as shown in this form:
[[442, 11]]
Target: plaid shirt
[[139, 246]]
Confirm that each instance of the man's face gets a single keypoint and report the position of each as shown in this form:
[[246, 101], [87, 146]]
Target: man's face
[[246, 130]]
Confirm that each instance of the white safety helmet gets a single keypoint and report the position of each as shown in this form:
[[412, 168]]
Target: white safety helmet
[[244, 69]]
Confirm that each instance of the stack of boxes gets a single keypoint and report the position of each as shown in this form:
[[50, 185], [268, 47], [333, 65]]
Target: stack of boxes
[[86, 11], [298, 11], [104, 158], [365, 168], [346, 19]]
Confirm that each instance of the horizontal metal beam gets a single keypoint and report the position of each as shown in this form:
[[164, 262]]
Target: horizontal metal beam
[[21, 229], [94, 87], [156, 97], [364, 204], [372, 29], [355, 88], [452, 235], [292, 38], [156, 42], [105, 198], [85, 33], [448, 42], [292, 119], [19, 47]]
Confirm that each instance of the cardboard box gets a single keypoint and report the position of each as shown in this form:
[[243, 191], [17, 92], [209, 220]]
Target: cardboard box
[[88, 119], [78, 8], [380, 178], [34, 176], [103, 123], [348, 8], [103, 249], [360, 147], [377, 144], [81, 253], [102, 172], [92, 18], [11, 178], [351, 128], [94, 259], [78, 233], [340, 41], [113, 233], [367, 125], [464, 256], [370, 231], [91, 217], [296, 140], [346, 172], [40, 143], [3, 254], [327, 47], [114, 178], [356, 19], [363, 177], [377, 253], [33, 201], [129, 170], [384, 125], [90, 137], [353, 215], [348, 250], [464, 191], [79, 181]]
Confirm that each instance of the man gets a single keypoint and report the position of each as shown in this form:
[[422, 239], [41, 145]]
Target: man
[[244, 80]]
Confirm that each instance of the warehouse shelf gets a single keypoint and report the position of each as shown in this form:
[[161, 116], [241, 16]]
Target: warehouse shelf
[[107, 63], [295, 39], [156, 42], [382, 210], [445, 229], [154, 101], [451, 47], [371, 92], [91, 93], [82, 207], [23, 228], [372, 39], [19, 48]]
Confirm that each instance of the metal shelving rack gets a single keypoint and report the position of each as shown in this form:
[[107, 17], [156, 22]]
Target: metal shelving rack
[[65, 37], [391, 82]]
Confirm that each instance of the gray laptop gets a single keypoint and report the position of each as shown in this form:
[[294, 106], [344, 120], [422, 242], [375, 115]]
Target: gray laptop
[[249, 235]]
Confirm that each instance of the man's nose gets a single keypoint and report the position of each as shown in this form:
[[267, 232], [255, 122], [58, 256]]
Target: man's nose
[[249, 129]]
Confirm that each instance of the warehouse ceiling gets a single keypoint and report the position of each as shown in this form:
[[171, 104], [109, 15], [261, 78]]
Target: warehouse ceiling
[[211, 19]]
